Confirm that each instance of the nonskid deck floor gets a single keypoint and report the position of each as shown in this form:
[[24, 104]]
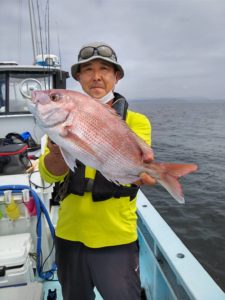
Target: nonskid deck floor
[[36, 291], [52, 285]]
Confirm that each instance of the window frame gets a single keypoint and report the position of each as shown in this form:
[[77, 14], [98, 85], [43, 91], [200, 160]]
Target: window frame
[[34, 74]]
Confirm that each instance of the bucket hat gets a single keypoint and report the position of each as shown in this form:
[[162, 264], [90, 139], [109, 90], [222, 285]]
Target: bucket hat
[[96, 50]]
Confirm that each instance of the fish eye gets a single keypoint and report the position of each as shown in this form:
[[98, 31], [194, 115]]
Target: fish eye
[[55, 97]]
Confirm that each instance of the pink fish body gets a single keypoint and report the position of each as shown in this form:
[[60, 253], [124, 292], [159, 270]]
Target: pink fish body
[[93, 133]]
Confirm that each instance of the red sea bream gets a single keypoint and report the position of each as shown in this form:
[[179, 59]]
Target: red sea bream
[[93, 133]]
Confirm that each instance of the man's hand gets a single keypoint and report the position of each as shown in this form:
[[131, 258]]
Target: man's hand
[[54, 160], [54, 149], [144, 177]]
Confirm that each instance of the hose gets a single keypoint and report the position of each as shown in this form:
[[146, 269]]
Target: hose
[[40, 207]]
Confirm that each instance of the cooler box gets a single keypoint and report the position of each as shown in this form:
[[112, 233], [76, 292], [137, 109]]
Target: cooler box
[[15, 262]]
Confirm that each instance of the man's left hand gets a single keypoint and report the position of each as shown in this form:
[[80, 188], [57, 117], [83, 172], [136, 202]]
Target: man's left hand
[[146, 179]]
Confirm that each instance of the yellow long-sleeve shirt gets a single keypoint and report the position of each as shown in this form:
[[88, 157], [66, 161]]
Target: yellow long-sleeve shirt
[[99, 224]]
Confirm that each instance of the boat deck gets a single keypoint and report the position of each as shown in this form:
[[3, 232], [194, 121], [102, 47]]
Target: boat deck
[[55, 285], [35, 291], [168, 269], [52, 285]]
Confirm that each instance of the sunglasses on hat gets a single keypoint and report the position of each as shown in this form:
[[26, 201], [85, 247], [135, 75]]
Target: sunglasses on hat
[[103, 50]]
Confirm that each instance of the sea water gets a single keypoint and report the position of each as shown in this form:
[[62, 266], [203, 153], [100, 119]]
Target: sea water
[[192, 132]]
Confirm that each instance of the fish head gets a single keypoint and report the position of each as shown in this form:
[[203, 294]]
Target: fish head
[[52, 107]]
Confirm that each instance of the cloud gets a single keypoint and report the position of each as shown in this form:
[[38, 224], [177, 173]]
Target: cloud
[[168, 48]]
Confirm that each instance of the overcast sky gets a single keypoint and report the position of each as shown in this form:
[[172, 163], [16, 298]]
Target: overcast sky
[[168, 48]]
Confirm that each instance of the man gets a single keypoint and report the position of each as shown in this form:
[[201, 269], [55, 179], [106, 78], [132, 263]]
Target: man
[[96, 234]]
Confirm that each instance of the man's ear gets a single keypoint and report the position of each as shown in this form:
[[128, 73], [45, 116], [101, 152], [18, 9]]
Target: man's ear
[[78, 76], [118, 76]]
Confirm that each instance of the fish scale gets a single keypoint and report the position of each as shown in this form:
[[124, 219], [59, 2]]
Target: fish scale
[[99, 142]]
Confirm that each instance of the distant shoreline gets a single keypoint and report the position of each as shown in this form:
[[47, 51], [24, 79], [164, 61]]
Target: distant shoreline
[[176, 100]]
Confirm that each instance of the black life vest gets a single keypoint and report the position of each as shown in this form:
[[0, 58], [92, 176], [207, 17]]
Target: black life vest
[[101, 188]]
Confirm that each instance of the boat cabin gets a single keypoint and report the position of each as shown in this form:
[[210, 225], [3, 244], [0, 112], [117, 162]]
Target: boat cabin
[[16, 84]]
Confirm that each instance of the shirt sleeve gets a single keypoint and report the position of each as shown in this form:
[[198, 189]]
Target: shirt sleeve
[[140, 124]]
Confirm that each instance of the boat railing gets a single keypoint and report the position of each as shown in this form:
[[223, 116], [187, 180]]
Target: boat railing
[[168, 269]]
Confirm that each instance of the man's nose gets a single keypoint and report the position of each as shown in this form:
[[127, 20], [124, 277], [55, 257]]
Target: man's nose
[[96, 75]]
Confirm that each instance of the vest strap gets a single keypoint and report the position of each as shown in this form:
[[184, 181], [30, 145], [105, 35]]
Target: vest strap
[[101, 188], [104, 189]]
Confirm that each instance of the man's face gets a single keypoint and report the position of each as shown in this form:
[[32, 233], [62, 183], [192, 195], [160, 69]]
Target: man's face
[[98, 78]]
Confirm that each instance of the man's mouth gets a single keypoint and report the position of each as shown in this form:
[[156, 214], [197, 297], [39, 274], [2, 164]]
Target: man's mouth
[[97, 87]]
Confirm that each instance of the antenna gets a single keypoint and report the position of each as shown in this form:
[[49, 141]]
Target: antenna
[[32, 25]]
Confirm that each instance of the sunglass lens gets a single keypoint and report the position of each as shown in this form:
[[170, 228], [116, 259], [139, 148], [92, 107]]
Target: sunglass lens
[[105, 51], [86, 52]]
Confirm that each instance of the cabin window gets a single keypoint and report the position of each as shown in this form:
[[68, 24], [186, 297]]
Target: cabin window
[[2, 92], [23, 84]]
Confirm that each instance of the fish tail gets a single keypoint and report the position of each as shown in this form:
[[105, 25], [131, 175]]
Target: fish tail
[[168, 174]]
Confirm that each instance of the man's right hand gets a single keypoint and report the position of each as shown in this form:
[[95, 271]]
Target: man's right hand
[[54, 161], [53, 147]]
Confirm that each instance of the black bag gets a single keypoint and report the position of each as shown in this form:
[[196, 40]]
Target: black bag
[[13, 158], [25, 137]]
